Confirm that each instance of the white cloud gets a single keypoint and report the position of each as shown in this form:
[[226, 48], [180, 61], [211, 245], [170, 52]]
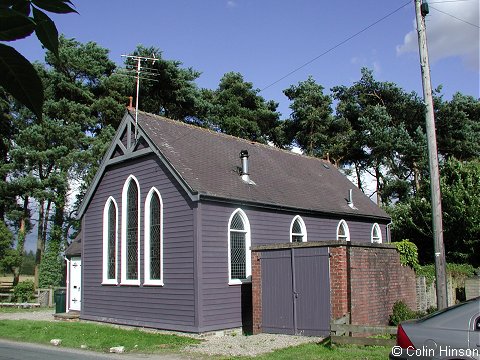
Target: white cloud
[[231, 4], [371, 62], [448, 36]]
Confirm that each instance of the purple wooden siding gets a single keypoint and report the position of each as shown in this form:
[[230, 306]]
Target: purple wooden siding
[[296, 291], [220, 304], [171, 306]]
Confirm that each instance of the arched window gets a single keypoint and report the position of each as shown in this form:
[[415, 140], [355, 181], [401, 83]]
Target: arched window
[[153, 238], [342, 231], [298, 231], [110, 231], [131, 232], [239, 261], [376, 234]]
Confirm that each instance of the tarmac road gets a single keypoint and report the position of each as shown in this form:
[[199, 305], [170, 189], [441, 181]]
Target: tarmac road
[[10, 350]]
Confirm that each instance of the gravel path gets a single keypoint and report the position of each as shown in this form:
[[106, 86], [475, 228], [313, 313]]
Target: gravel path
[[227, 345], [253, 345]]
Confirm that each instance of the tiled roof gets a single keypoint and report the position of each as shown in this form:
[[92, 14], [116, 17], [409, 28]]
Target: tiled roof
[[75, 248], [209, 163]]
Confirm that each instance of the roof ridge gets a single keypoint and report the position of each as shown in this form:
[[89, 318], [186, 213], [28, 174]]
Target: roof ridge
[[221, 134]]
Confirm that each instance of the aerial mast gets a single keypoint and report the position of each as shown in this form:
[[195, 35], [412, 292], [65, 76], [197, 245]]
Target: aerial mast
[[142, 72]]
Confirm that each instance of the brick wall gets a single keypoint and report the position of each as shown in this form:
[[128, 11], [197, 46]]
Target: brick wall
[[339, 295], [377, 281], [256, 293]]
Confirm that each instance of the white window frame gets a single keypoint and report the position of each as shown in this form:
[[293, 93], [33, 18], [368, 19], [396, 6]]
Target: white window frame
[[105, 279], [302, 226], [347, 230], [148, 280], [248, 255], [376, 240], [124, 280]]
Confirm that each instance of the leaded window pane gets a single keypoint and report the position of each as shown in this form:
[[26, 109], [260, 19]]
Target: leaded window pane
[[237, 255], [341, 231], [132, 231], [237, 223], [297, 227], [297, 238], [112, 225], [376, 233], [155, 229]]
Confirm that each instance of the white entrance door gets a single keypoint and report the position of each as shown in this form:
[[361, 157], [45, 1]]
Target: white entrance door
[[75, 283]]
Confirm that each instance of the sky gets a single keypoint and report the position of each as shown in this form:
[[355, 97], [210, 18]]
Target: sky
[[265, 40]]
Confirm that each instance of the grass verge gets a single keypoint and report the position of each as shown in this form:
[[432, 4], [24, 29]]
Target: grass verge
[[95, 337], [325, 351]]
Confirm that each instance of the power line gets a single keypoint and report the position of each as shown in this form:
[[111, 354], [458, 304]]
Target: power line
[[337, 45], [457, 18]]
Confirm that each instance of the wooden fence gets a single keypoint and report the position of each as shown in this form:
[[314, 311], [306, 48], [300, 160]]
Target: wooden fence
[[6, 290], [44, 297], [342, 332]]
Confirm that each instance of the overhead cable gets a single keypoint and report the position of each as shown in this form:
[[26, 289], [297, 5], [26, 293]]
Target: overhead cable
[[337, 45]]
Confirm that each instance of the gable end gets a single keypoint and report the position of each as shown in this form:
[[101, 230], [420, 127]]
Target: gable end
[[124, 147]]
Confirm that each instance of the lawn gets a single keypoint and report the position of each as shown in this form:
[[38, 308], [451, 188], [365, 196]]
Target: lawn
[[100, 337], [325, 351], [94, 336]]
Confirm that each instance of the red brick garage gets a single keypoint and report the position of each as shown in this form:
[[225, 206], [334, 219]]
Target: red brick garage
[[363, 280]]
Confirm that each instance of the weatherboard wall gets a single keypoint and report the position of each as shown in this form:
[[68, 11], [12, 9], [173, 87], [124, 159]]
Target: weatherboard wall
[[221, 303], [171, 306]]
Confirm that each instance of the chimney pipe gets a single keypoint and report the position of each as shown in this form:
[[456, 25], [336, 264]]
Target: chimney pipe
[[350, 198], [244, 172]]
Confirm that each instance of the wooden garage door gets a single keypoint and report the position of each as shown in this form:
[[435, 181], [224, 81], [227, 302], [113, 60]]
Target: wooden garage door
[[296, 291]]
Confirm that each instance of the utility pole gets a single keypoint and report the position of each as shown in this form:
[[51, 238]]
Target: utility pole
[[421, 10]]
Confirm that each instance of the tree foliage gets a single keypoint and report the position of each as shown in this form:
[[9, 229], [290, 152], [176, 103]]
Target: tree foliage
[[387, 140], [170, 89], [44, 158], [19, 19], [7, 255], [235, 108], [460, 184], [311, 118], [52, 264], [458, 127]]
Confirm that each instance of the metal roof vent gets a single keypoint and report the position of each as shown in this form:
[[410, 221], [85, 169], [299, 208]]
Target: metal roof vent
[[244, 171], [350, 200]]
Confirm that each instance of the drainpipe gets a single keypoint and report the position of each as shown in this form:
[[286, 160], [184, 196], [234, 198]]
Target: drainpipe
[[389, 237], [67, 307]]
